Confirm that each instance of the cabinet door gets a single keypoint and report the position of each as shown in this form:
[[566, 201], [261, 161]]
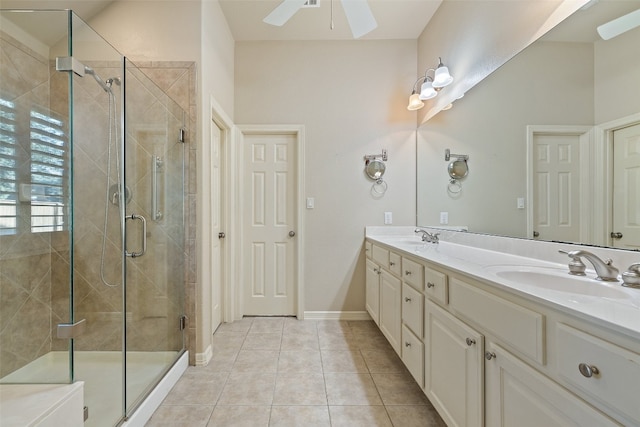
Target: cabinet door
[[517, 395], [453, 368], [373, 290], [390, 309]]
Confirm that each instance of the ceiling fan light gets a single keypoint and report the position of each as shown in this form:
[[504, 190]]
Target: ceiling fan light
[[414, 102], [442, 77], [427, 91]]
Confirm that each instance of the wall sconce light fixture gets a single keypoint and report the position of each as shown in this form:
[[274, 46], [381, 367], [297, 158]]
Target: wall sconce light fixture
[[430, 85]]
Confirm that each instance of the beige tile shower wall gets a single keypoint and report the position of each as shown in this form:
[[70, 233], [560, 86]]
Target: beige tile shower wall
[[25, 257], [155, 281]]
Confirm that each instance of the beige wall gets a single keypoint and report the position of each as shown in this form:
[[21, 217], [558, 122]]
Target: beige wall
[[617, 87], [351, 98]]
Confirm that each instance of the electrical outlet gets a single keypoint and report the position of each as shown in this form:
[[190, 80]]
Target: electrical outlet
[[444, 218]]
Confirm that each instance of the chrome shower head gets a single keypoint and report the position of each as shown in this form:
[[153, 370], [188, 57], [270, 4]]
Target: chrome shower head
[[104, 85]]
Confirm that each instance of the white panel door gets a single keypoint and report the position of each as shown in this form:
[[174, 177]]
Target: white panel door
[[216, 228], [626, 187], [556, 187], [269, 201]]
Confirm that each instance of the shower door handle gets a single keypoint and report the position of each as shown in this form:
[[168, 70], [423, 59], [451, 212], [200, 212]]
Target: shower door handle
[[144, 235]]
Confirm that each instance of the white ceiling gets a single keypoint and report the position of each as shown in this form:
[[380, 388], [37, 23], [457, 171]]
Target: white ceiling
[[397, 19]]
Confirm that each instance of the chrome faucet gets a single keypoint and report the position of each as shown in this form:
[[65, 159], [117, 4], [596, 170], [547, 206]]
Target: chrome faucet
[[428, 237], [605, 270]]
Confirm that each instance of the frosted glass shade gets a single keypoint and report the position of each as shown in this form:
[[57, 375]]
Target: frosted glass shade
[[427, 91], [414, 102], [442, 77]]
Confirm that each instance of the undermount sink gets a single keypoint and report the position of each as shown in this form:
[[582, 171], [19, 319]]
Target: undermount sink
[[559, 280]]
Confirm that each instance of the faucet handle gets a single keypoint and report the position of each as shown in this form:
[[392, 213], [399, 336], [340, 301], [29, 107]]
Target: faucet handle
[[631, 277], [576, 266]]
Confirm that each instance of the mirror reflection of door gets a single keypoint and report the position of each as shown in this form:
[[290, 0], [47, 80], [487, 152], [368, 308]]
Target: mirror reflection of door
[[557, 187], [626, 188]]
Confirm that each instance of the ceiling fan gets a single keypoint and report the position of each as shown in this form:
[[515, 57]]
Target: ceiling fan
[[619, 25], [359, 15]]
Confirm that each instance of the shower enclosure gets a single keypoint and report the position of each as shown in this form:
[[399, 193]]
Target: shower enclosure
[[92, 224]]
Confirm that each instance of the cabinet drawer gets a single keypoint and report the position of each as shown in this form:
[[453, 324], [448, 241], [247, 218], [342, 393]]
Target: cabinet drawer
[[413, 355], [413, 309], [413, 273], [436, 285], [381, 256], [616, 382], [367, 249], [517, 326], [395, 264]]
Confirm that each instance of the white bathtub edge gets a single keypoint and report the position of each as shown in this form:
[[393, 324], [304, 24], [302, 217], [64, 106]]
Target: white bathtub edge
[[146, 409]]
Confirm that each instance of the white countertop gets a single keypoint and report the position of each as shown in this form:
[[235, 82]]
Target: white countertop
[[620, 314]]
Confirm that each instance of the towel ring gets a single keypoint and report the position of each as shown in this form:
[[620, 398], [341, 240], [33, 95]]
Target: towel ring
[[454, 187], [379, 187]]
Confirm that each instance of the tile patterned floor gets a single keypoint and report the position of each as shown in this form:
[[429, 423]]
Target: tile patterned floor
[[274, 371]]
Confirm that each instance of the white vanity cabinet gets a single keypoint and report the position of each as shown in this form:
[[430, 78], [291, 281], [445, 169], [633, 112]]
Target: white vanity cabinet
[[486, 356], [384, 291], [453, 368], [372, 280], [519, 396], [390, 310]]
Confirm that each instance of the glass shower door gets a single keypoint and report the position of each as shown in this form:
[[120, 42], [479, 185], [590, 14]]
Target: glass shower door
[[155, 233]]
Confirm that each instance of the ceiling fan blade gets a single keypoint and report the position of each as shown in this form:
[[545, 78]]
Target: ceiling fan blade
[[619, 25], [283, 12], [360, 17]]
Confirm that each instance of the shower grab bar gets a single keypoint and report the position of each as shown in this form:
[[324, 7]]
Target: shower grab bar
[[156, 164], [144, 236]]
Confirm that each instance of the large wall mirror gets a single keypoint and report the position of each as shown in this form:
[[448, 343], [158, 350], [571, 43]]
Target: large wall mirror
[[553, 138]]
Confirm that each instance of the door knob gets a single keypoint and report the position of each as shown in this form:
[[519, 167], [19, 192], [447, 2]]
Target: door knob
[[292, 233], [221, 235], [615, 235]]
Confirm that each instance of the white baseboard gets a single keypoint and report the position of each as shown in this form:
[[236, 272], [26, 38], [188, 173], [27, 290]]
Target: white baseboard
[[336, 315], [202, 359]]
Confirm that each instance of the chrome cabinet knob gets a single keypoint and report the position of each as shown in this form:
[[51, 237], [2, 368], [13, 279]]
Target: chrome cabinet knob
[[292, 233], [588, 371], [407, 344], [391, 263], [221, 235], [489, 355], [407, 299], [407, 273], [430, 285], [470, 341]]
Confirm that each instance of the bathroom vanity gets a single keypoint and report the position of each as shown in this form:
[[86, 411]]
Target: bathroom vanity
[[500, 339]]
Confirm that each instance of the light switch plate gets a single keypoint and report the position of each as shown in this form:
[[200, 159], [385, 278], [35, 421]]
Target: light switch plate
[[311, 203], [388, 218]]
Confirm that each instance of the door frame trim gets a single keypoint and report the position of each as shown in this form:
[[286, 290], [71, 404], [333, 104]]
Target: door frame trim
[[299, 132], [586, 166], [604, 173], [220, 119]]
